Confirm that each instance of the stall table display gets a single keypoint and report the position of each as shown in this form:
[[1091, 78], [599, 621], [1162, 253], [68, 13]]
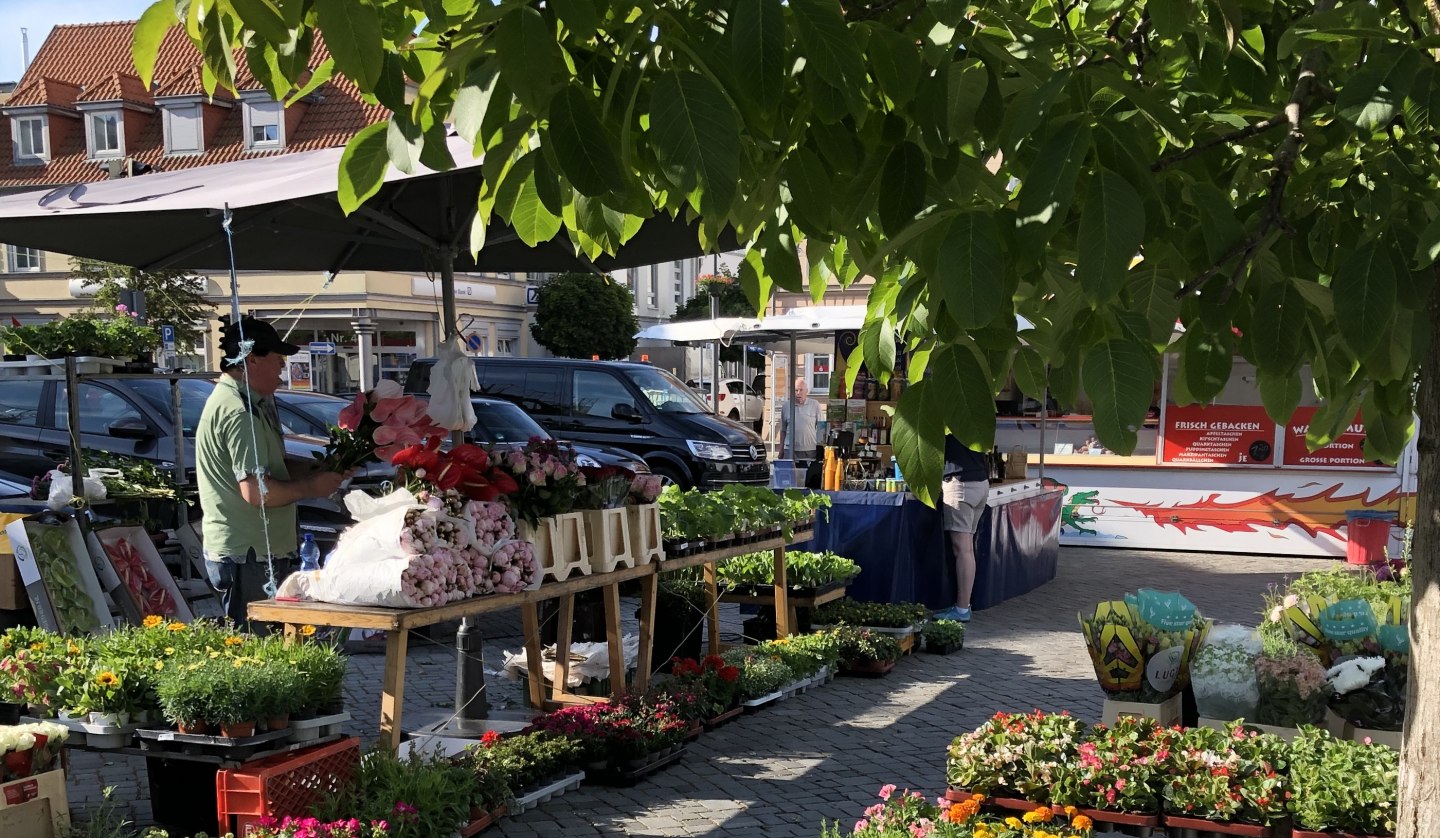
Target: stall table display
[[904, 556], [785, 621]]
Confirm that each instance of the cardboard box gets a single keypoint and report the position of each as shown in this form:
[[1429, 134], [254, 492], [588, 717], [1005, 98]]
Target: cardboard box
[[1166, 712], [1341, 729], [12, 589], [141, 541], [83, 564], [1286, 733], [37, 807]]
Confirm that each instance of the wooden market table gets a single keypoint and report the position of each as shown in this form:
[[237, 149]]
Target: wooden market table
[[398, 622]]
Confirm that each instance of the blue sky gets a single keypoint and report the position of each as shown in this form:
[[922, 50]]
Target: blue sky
[[38, 16]]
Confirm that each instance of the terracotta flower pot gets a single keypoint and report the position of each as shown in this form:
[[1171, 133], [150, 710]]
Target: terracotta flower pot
[[193, 728], [1297, 832], [278, 723], [237, 730], [1249, 830]]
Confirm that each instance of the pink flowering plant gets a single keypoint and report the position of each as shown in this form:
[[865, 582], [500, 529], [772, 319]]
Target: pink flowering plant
[[379, 424], [618, 732], [1292, 685], [288, 827], [1120, 767], [1231, 775], [909, 814], [549, 481], [1014, 754], [645, 488]]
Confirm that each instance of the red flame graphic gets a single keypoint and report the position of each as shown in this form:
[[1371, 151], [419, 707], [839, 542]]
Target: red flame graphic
[[1316, 513]]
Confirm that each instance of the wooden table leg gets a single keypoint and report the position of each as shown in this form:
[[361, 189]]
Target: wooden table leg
[[783, 620], [292, 634], [530, 621], [563, 633], [616, 638], [644, 665], [712, 608], [392, 696]]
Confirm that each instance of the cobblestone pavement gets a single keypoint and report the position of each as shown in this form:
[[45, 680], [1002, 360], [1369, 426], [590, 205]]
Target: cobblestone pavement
[[821, 755]]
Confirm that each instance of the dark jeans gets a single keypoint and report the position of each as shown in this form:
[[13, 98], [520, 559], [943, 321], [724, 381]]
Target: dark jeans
[[241, 582]]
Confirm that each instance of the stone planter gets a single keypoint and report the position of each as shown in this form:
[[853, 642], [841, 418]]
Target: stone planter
[[607, 538], [645, 538], [561, 549]]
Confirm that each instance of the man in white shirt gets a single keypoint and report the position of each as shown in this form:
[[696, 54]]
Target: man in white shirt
[[806, 425]]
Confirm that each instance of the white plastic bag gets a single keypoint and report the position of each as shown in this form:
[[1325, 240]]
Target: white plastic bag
[[62, 490], [451, 380], [364, 568], [1223, 674], [588, 661]]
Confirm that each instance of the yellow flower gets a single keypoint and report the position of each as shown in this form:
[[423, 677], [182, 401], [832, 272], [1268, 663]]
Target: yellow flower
[[36, 646], [176, 626], [234, 641], [159, 665], [107, 679], [73, 648], [983, 831], [1082, 822], [1014, 823], [239, 662], [169, 650], [214, 654], [307, 630], [152, 621]]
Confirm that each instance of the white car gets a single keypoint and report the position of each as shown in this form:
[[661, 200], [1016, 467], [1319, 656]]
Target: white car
[[737, 401]]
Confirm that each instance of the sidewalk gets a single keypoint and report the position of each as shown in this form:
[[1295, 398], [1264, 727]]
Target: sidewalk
[[824, 754]]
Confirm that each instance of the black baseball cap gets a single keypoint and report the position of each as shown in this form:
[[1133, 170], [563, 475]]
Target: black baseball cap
[[266, 339]]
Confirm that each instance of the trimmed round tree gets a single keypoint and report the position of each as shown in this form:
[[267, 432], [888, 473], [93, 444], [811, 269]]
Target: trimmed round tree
[[581, 315]]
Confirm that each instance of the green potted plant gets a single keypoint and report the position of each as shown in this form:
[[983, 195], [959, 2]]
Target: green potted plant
[[1292, 686], [1230, 781], [943, 637], [185, 696], [1342, 788], [761, 676], [864, 652], [1015, 758], [421, 795], [1118, 772], [897, 618], [526, 762]]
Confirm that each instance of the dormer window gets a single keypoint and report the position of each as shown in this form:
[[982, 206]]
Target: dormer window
[[105, 134], [183, 134], [30, 135], [264, 124]]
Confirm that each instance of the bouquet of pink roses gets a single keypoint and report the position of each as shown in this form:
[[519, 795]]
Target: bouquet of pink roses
[[546, 476], [492, 522], [377, 426], [645, 488]]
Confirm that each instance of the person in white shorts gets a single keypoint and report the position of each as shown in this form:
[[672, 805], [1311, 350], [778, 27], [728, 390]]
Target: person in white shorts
[[963, 492]]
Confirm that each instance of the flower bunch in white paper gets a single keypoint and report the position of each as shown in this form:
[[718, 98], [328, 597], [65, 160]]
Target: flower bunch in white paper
[[492, 523], [645, 488], [512, 567]]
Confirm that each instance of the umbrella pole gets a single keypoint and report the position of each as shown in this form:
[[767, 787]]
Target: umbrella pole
[[470, 702], [790, 387]]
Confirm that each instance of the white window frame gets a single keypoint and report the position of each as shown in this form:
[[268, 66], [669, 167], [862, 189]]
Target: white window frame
[[14, 254], [505, 347], [817, 386], [16, 130], [266, 107], [679, 284], [192, 112], [653, 295], [92, 137]]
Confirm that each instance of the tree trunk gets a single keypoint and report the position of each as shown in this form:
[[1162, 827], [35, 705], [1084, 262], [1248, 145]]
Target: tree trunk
[[1419, 813]]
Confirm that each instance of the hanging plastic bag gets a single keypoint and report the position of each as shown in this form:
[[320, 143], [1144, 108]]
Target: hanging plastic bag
[[451, 380], [62, 490]]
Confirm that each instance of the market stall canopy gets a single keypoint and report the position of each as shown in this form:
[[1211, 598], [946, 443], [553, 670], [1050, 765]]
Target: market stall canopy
[[798, 323], [723, 329], [287, 217]]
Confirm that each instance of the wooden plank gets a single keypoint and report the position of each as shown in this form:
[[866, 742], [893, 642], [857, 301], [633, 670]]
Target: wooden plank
[[563, 632], [530, 621], [392, 695], [709, 556], [712, 608], [616, 646], [784, 617], [796, 601], [292, 634], [644, 664]]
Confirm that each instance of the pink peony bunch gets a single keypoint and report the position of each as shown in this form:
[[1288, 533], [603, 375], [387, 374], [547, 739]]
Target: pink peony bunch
[[512, 567], [492, 523], [420, 535], [444, 575], [645, 488]]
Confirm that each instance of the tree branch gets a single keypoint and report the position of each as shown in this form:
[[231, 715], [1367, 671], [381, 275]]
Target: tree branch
[[1285, 157], [1224, 139], [1408, 18]]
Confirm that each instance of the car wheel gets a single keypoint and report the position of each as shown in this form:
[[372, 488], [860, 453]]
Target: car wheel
[[669, 476], [734, 416]]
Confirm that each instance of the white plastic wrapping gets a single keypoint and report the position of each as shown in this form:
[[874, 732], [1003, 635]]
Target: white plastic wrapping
[[451, 380], [1223, 673], [365, 567], [62, 489], [588, 661]]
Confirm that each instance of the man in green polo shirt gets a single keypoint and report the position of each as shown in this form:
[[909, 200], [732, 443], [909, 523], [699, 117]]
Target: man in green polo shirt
[[247, 489]]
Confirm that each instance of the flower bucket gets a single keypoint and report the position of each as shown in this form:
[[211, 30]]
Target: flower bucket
[[607, 537], [238, 730], [560, 545], [645, 536]]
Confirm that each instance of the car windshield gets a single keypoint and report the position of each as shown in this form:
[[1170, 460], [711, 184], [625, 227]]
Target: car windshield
[[320, 411], [666, 392], [193, 393], [502, 423]]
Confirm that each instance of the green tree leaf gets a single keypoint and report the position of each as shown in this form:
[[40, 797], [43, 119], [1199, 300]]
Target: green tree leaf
[[1376, 92], [895, 62], [969, 404], [472, 98], [1365, 288], [352, 32], [529, 57], [904, 193], [264, 17], [967, 85], [579, 16], [828, 47], [1331, 420], [1030, 375], [1205, 362], [1280, 393], [1119, 378], [697, 140], [362, 166], [1151, 293], [919, 440], [969, 270], [1111, 229], [1385, 432], [149, 33], [878, 339], [583, 147], [1277, 326], [757, 51], [1048, 189], [808, 183]]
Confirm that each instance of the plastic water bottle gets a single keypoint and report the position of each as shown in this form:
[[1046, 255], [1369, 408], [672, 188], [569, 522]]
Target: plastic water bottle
[[309, 553]]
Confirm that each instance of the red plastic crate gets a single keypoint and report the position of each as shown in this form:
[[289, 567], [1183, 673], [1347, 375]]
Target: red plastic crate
[[285, 784]]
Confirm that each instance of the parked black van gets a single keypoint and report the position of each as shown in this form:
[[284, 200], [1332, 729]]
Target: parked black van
[[633, 407]]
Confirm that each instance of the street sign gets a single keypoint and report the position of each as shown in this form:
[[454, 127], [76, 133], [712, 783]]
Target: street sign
[[322, 347], [474, 342], [532, 295], [167, 338]]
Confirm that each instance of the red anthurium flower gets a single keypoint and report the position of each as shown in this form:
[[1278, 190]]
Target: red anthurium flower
[[354, 413], [470, 455], [417, 457]]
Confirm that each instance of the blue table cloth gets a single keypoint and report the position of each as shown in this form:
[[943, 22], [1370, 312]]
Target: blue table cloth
[[904, 555]]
